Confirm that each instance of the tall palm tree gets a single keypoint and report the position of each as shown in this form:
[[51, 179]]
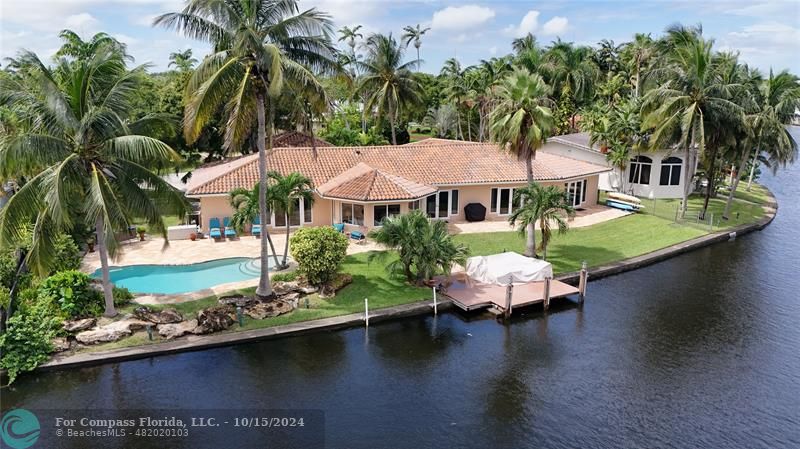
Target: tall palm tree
[[546, 205], [690, 93], [638, 56], [244, 203], [521, 122], [87, 161], [75, 47], [414, 34], [568, 66], [350, 35], [183, 60], [256, 44], [456, 88], [286, 194], [388, 82]]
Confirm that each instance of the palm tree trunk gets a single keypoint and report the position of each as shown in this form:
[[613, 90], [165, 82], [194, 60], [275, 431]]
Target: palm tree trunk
[[735, 185], [752, 170], [469, 125], [108, 291], [638, 69], [710, 185], [264, 289], [286, 245], [391, 124], [687, 175], [530, 243], [460, 132]]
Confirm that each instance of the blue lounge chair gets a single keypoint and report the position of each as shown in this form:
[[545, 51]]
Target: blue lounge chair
[[358, 236], [213, 230], [339, 227], [255, 229], [229, 231]]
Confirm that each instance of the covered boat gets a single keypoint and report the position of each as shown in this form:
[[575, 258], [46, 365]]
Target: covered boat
[[507, 268]]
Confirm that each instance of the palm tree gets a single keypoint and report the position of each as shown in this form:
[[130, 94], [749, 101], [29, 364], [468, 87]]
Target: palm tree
[[183, 60], [442, 118], [456, 89], [568, 66], [87, 162], [256, 44], [286, 194], [638, 55], [77, 48], [388, 82], [543, 204], [521, 122], [244, 203], [350, 35], [424, 247], [691, 93], [414, 34]]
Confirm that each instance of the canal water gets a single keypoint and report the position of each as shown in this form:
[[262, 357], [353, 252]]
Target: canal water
[[700, 351]]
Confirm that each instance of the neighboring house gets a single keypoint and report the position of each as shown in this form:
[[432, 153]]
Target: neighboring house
[[359, 186], [652, 174]]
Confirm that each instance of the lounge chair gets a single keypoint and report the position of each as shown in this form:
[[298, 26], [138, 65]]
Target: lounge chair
[[229, 231], [214, 231], [358, 236], [339, 227], [255, 229]]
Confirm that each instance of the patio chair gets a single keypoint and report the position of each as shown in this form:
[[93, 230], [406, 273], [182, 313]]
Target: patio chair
[[214, 231], [255, 229], [339, 227], [229, 231], [358, 236]]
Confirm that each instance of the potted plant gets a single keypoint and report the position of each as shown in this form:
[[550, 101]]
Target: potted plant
[[141, 230], [193, 236]]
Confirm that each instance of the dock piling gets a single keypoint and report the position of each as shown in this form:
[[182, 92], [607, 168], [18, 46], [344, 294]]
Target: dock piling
[[547, 293], [366, 312], [509, 292], [435, 312], [582, 282]]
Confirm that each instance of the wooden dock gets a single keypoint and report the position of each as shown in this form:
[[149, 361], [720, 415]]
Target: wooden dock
[[479, 296]]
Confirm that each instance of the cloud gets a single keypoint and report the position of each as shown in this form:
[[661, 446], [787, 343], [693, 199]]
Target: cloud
[[80, 21], [528, 24], [461, 17], [493, 50], [764, 44], [554, 26], [346, 12]]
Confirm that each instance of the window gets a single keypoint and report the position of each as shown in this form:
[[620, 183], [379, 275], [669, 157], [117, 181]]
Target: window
[[413, 205], [454, 202], [576, 192], [384, 210], [441, 204], [353, 214], [298, 211], [444, 203], [639, 171], [671, 171], [503, 202]]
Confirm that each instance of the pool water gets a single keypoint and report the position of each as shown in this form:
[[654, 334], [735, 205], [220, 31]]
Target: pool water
[[171, 279]]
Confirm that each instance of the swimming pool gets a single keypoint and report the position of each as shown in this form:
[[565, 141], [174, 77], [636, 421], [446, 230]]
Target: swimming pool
[[172, 279]]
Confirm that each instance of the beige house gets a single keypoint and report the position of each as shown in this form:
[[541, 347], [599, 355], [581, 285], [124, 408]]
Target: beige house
[[359, 186]]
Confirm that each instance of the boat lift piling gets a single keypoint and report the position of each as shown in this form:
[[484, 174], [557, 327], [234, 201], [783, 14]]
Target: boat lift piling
[[509, 294], [583, 281], [547, 293]]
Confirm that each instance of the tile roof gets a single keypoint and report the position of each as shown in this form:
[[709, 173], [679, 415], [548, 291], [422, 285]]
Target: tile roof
[[577, 140], [440, 163], [365, 183]]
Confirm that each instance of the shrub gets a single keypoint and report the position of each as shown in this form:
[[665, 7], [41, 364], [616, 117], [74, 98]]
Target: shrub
[[285, 277], [319, 253], [122, 296], [27, 341], [68, 255], [72, 293]]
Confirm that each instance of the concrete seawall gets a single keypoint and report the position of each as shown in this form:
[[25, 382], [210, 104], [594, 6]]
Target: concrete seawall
[[194, 342]]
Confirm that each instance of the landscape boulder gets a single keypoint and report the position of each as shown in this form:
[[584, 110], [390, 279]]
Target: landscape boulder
[[237, 300], [270, 309], [173, 330], [214, 319], [60, 344], [110, 332], [73, 326], [165, 316], [282, 288]]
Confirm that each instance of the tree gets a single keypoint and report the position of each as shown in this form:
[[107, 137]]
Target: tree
[[690, 92], [183, 60], [456, 89], [570, 68], [245, 211], [256, 45], [388, 82], [414, 34], [88, 163], [521, 122], [443, 119], [546, 205], [286, 194], [638, 56], [350, 35], [76, 48], [424, 247]]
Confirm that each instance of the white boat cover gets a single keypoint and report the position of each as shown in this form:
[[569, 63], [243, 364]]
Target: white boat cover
[[506, 268]]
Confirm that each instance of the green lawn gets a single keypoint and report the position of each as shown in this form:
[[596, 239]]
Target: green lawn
[[757, 194], [599, 244], [415, 136], [741, 211]]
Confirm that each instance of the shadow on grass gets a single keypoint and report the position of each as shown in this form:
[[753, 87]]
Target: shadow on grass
[[567, 258]]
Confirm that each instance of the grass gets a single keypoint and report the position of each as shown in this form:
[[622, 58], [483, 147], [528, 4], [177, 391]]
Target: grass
[[599, 244], [417, 136], [758, 194]]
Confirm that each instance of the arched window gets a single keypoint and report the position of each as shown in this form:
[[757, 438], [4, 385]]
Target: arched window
[[671, 171], [639, 171]]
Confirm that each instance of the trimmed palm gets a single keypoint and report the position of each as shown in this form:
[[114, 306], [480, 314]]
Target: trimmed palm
[[414, 34], [88, 165], [521, 122], [286, 194], [388, 82], [245, 211], [183, 60], [546, 205], [257, 44]]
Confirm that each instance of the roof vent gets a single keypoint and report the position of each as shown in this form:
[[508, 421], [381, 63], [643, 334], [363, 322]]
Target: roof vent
[[358, 152]]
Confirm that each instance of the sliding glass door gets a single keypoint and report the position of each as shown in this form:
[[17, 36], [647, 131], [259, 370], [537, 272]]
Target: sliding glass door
[[576, 192]]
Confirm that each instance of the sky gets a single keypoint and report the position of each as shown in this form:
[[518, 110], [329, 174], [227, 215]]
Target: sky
[[766, 33]]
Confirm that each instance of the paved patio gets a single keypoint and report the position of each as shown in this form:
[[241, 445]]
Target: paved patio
[[585, 217]]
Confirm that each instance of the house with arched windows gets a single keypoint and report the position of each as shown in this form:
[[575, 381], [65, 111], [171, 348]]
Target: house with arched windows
[[654, 174]]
